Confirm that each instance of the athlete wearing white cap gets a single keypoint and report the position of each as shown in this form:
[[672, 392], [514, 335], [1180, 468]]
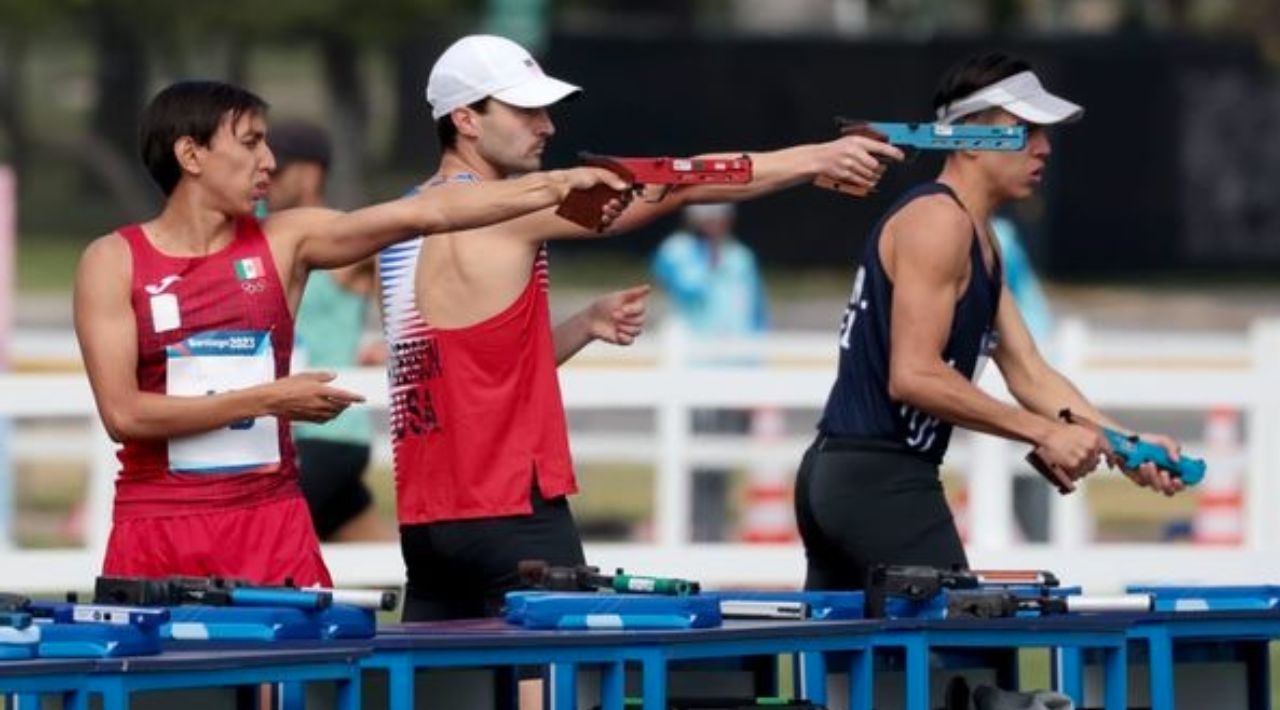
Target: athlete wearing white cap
[[483, 468], [929, 307], [487, 66]]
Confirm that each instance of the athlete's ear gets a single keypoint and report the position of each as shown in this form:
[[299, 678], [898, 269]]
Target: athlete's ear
[[187, 152], [465, 119]]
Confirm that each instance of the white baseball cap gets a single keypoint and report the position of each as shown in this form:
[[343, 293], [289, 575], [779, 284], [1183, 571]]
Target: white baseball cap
[[481, 66], [1021, 95]]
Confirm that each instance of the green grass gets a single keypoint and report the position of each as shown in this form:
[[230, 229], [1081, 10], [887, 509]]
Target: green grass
[[46, 264]]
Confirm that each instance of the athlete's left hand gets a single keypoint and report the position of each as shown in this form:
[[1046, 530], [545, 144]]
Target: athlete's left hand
[[1148, 476], [618, 317]]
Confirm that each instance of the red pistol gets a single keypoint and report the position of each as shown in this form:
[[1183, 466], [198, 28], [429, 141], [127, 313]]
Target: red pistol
[[583, 207]]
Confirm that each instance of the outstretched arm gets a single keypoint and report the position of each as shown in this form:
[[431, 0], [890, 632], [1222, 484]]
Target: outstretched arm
[[327, 238], [854, 160]]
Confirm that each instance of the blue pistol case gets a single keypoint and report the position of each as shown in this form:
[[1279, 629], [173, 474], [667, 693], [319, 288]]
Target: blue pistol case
[[97, 630], [240, 623], [342, 621], [1210, 598], [589, 610], [18, 636]]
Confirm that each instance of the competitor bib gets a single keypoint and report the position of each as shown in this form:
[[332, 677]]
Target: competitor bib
[[211, 363]]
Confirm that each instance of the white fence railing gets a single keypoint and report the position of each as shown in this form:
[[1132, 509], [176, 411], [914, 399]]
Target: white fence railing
[[1155, 372]]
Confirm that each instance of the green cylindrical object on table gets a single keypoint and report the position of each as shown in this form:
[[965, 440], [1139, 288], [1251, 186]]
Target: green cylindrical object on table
[[634, 584]]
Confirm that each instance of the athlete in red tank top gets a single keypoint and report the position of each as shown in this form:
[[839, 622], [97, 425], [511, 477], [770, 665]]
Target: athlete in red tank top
[[236, 290], [185, 325], [481, 466], [476, 413]]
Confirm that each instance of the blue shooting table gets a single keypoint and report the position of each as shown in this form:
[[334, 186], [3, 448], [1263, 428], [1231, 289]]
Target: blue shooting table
[[1169, 638], [115, 679], [29, 679], [917, 638], [403, 649]]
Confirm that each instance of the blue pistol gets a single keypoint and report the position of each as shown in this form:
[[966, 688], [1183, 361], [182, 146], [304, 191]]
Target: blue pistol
[[929, 136], [1133, 452], [1130, 451]]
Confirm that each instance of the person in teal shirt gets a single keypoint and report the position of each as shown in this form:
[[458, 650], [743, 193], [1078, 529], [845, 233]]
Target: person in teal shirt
[[715, 289], [333, 456], [1020, 278], [711, 277]]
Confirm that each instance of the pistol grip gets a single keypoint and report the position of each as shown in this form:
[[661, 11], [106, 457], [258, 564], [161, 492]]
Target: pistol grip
[[843, 187], [1042, 468], [585, 207], [851, 128]]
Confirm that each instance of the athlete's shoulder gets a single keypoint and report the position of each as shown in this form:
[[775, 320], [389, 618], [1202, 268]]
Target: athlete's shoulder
[[938, 209], [106, 265], [934, 213], [110, 250], [931, 230]]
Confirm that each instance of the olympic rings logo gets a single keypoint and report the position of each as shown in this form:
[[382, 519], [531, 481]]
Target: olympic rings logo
[[254, 286]]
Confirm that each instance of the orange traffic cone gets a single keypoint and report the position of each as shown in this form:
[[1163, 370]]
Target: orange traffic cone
[[1219, 518], [768, 515]]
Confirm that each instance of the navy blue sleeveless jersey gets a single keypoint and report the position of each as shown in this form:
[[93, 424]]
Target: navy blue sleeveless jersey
[[859, 406]]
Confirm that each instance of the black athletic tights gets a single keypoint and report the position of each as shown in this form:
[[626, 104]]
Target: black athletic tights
[[863, 503]]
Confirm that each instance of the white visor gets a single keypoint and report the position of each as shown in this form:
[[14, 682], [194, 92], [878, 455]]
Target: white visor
[[1021, 95]]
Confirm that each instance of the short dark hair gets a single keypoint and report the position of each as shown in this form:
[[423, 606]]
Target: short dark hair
[[188, 108], [298, 141], [975, 73], [447, 133]]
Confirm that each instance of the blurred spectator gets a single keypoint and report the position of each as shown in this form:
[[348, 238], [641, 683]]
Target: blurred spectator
[[711, 277], [1020, 278], [715, 290], [333, 456]]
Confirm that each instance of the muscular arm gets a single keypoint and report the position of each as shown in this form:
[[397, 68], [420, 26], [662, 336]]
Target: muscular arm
[[929, 248], [1031, 380], [1042, 389], [848, 159], [328, 238], [107, 331]]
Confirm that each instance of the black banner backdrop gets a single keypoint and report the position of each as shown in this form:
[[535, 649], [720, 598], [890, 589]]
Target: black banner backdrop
[[1175, 168]]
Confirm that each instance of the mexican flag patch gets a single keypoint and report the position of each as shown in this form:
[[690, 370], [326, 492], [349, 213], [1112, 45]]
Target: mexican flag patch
[[250, 268]]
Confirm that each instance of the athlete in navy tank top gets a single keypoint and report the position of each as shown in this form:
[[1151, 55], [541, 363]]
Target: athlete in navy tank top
[[859, 405], [928, 302]]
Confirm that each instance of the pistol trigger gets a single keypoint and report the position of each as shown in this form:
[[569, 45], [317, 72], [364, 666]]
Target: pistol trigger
[[652, 193]]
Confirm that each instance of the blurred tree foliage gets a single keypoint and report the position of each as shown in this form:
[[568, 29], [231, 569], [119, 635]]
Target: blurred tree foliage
[[134, 43]]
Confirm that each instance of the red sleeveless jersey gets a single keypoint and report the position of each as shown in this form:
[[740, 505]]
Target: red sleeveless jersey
[[178, 302], [476, 413]]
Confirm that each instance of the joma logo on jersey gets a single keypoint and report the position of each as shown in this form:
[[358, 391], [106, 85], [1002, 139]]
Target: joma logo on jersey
[[156, 289]]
